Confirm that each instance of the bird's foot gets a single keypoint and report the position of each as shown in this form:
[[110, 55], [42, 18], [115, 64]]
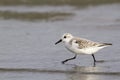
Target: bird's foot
[[63, 62]]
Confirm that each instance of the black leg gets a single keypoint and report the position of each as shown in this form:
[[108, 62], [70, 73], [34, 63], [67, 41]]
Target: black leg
[[94, 59], [63, 62]]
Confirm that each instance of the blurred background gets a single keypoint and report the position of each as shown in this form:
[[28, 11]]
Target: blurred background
[[29, 29]]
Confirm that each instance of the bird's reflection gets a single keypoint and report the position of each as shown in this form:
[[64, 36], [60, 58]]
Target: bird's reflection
[[82, 73], [83, 77]]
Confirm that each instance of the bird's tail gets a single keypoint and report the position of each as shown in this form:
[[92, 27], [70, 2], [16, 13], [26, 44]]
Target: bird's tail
[[107, 44]]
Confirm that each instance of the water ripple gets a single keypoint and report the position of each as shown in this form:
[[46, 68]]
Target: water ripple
[[54, 71]]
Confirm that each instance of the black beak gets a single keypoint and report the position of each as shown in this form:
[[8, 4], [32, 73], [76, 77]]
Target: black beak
[[58, 41]]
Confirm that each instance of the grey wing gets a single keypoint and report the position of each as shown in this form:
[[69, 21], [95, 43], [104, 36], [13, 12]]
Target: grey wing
[[83, 43]]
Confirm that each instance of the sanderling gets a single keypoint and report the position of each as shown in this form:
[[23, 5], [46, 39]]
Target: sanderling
[[81, 46]]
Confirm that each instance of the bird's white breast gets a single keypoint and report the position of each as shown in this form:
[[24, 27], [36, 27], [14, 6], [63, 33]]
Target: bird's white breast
[[73, 49]]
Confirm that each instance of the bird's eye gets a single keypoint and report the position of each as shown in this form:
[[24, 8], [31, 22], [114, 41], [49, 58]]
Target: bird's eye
[[64, 36], [76, 42]]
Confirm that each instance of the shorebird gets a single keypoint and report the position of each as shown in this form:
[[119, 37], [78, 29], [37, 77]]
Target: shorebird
[[81, 46]]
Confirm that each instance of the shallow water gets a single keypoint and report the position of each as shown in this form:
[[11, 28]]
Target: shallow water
[[23, 9], [27, 49]]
